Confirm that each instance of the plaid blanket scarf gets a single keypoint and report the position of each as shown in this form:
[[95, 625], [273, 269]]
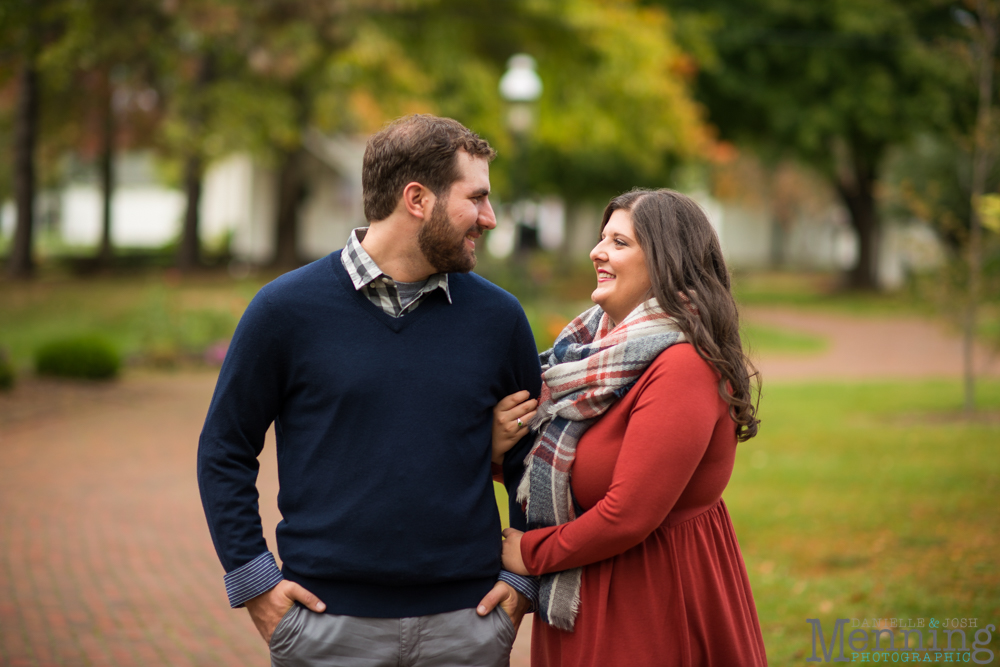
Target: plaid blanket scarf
[[590, 366]]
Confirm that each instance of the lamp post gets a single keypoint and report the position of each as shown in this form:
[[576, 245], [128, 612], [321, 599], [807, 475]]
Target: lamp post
[[521, 86]]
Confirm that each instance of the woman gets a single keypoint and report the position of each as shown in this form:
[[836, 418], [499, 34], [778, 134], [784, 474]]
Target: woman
[[644, 399]]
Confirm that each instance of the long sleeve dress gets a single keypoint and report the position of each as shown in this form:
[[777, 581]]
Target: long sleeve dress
[[664, 584]]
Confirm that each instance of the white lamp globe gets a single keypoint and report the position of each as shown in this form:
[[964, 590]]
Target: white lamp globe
[[520, 83]]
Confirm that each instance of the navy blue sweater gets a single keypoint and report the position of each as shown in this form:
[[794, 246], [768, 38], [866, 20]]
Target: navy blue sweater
[[383, 431]]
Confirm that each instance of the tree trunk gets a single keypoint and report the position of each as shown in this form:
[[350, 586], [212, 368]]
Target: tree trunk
[[106, 252], [856, 186], [987, 41], [189, 251], [778, 235], [784, 191], [22, 263], [290, 195], [291, 186]]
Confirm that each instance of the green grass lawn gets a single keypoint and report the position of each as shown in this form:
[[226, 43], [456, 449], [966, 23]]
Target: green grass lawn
[[160, 319], [820, 291], [156, 318], [547, 319], [871, 500], [159, 315], [868, 501], [760, 338]]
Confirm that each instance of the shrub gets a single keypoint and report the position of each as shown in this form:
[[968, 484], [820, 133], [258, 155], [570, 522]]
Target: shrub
[[83, 357], [6, 371]]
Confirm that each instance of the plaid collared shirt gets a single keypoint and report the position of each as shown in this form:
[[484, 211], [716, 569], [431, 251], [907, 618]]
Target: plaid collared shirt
[[377, 286]]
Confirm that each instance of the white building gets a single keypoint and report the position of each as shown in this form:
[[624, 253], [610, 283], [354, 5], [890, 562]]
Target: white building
[[239, 202], [239, 206], [240, 197]]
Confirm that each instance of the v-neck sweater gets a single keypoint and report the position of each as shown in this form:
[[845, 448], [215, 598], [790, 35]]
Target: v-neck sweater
[[383, 439]]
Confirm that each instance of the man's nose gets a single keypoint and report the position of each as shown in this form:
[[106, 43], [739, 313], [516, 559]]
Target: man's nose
[[487, 218]]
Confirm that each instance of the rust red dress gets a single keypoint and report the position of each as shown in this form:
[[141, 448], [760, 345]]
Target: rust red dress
[[664, 583]]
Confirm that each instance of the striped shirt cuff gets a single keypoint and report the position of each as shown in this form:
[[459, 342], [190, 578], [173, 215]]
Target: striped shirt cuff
[[526, 586], [248, 581]]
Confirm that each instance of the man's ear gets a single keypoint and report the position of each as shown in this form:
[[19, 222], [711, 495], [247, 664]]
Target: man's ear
[[418, 200]]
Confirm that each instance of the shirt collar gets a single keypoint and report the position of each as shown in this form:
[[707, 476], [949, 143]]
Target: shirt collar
[[362, 269]]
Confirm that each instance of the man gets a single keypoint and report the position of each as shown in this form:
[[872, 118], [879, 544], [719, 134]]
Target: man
[[379, 366]]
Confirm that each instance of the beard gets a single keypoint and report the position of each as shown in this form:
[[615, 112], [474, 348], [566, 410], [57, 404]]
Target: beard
[[443, 246]]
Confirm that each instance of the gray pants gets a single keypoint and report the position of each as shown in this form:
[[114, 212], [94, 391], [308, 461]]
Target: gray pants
[[454, 639]]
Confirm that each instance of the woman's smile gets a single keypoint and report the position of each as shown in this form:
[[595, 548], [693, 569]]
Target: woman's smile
[[622, 279]]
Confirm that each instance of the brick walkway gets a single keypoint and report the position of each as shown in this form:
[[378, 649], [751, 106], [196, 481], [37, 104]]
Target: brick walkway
[[105, 558], [863, 348]]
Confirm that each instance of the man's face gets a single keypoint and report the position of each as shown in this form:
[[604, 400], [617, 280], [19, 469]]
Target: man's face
[[459, 217]]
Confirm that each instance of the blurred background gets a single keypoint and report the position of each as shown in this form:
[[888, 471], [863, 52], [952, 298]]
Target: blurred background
[[161, 160]]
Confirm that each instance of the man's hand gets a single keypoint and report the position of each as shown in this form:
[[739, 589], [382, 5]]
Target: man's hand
[[267, 608], [513, 603]]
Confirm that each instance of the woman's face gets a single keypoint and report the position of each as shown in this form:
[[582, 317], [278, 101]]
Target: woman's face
[[622, 280]]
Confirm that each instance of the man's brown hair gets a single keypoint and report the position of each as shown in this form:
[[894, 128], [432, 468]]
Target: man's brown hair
[[417, 148]]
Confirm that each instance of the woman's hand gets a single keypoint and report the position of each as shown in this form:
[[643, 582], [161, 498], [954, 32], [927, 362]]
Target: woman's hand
[[512, 561], [510, 422]]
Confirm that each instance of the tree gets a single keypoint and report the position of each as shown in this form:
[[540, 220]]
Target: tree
[[944, 178], [255, 77], [197, 40], [189, 249], [113, 45], [834, 84], [22, 263], [270, 98], [616, 110], [985, 33], [289, 64], [621, 113], [23, 26]]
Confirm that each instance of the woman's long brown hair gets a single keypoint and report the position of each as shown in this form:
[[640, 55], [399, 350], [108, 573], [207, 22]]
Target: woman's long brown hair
[[683, 256]]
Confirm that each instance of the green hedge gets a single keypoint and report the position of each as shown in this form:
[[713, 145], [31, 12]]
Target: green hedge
[[87, 357]]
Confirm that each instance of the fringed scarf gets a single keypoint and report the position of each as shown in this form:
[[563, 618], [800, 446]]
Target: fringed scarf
[[590, 366]]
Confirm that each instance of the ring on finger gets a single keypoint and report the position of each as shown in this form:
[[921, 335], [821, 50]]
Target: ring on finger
[[520, 424]]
